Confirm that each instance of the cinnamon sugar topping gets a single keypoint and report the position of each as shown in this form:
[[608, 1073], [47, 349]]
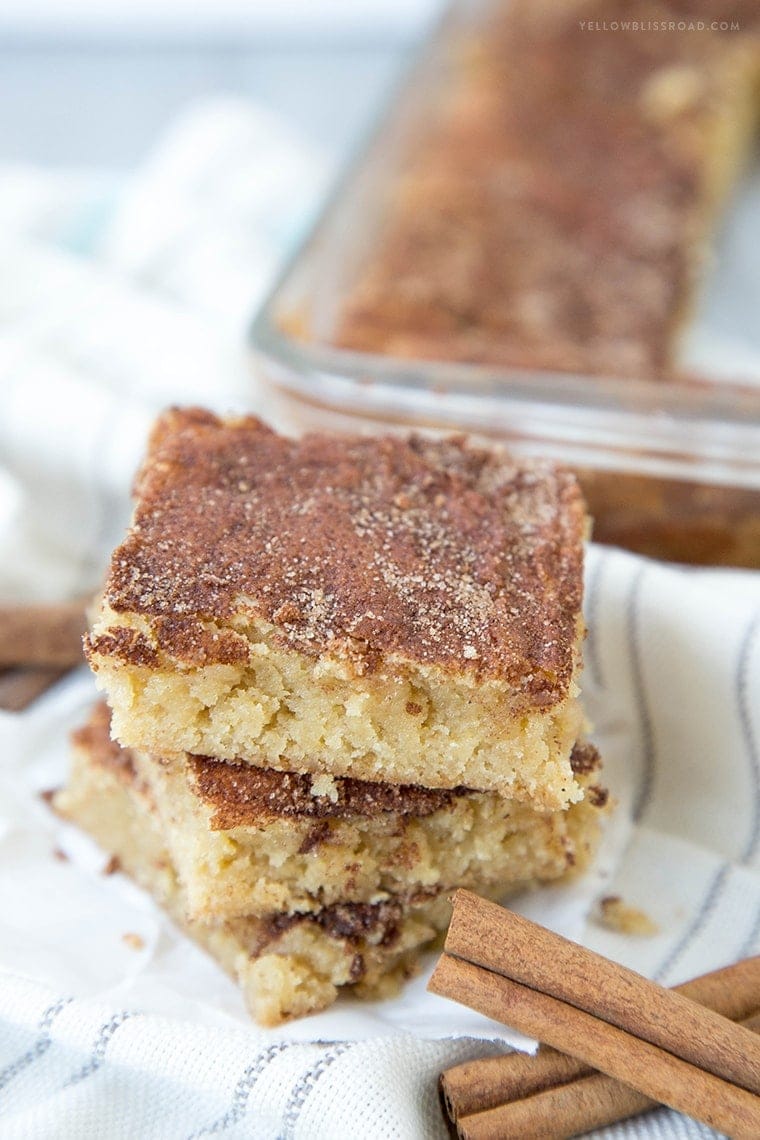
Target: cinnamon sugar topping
[[436, 551], [240, 794], [585, 758]]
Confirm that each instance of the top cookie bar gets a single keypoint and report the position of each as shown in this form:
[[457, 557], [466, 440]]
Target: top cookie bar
[[395, 609]]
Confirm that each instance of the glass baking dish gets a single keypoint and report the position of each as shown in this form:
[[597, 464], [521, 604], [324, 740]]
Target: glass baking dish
[[670, 468]]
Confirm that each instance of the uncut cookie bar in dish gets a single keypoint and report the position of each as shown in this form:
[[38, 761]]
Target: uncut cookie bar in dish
[[391, 609], [558, 207]]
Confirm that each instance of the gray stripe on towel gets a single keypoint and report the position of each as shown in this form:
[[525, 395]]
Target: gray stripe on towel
[[304, 1086], [98, 1055], [633, 629], [40, 1046], [242, 1092], [750, 739], [591, 650], [707, 908]]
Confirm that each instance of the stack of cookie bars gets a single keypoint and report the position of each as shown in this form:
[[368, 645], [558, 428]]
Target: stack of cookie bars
[[341, 677]]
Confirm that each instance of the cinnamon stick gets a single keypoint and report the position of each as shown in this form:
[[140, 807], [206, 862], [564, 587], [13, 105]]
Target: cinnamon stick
[[43, 634], [485, 1083], [477, 1086], [20, 687], [489, 935], [570, 1109], [651, 1070]]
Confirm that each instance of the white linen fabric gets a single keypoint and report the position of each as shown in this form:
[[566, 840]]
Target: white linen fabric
[[115, 300]]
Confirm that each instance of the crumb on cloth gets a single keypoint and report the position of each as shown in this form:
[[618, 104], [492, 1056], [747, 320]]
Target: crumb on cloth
[[620, 916], [133, 941]]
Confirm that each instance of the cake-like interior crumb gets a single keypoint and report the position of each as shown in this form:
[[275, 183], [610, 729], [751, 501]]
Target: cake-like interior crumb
[[247, 840], [287, 712]]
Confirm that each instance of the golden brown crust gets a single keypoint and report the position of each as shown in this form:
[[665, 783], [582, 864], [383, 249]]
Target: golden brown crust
[[432, 551]]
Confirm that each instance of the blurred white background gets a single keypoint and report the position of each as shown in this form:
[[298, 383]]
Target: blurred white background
[[94, 82]]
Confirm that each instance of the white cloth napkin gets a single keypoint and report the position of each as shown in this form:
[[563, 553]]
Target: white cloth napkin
[[116, 299]]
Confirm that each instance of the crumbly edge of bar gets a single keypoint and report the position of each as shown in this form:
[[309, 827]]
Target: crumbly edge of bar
[[287, 966]]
